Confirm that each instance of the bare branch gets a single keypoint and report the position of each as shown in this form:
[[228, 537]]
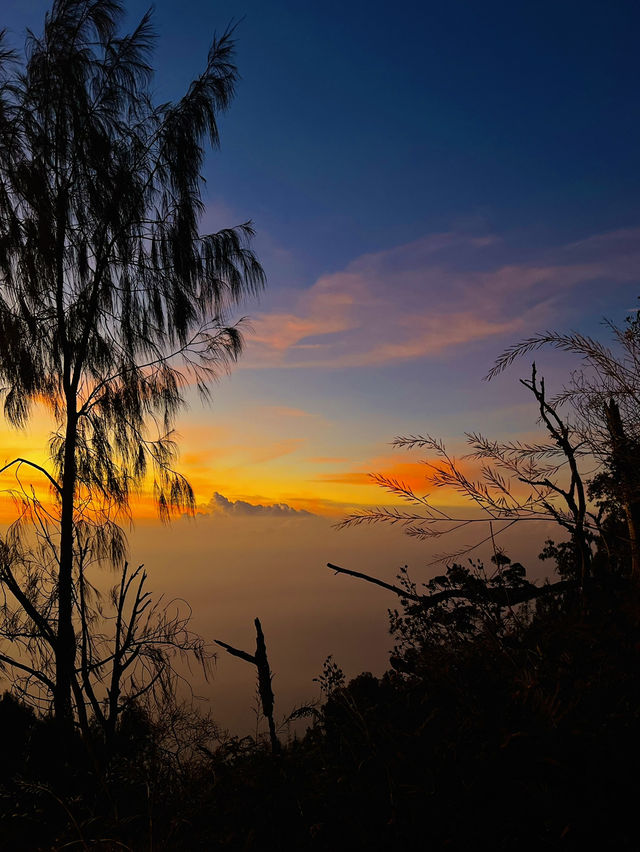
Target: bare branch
[[21, 461], [503, 597]]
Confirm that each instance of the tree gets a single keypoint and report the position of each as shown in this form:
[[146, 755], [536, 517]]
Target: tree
[[594, 419], [110, 299], [604, 395], [518, 482]]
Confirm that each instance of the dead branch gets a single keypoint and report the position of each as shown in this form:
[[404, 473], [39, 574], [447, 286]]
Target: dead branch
[[261, 662]]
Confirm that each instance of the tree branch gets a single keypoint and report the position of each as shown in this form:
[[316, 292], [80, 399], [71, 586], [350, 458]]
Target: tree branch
[[21, 461], [501, 597]]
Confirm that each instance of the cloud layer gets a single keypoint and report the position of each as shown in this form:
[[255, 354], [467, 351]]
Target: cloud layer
[[241, 508], [419, 300]]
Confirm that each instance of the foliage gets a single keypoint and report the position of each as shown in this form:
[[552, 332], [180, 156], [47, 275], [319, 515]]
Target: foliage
[[474, 610], [331, 678]]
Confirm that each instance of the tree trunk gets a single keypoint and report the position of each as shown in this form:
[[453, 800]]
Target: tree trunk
[[584, 552], [264, 685], [66, 641]]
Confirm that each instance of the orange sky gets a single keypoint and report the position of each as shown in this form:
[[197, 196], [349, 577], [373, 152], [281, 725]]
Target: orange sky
[[266, 458]]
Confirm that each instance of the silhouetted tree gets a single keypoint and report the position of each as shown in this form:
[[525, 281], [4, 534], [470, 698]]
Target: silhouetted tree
[[604, 396], [110, 298], [127, 651], [519, 482]]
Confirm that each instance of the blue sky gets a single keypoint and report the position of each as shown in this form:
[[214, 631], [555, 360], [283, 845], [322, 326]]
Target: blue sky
[[360, 126]]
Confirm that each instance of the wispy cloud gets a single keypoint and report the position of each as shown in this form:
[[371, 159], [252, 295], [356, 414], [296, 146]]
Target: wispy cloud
[[354, 477], [272, 450], [421, 299], [415, 473], [392, 466]]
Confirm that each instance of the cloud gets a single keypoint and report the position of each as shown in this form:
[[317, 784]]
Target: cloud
[[397, 466], [421, 299], [241, 508], [273, 450], [416, 472]]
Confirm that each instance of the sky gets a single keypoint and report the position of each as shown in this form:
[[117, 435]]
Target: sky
[[429, 183]]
